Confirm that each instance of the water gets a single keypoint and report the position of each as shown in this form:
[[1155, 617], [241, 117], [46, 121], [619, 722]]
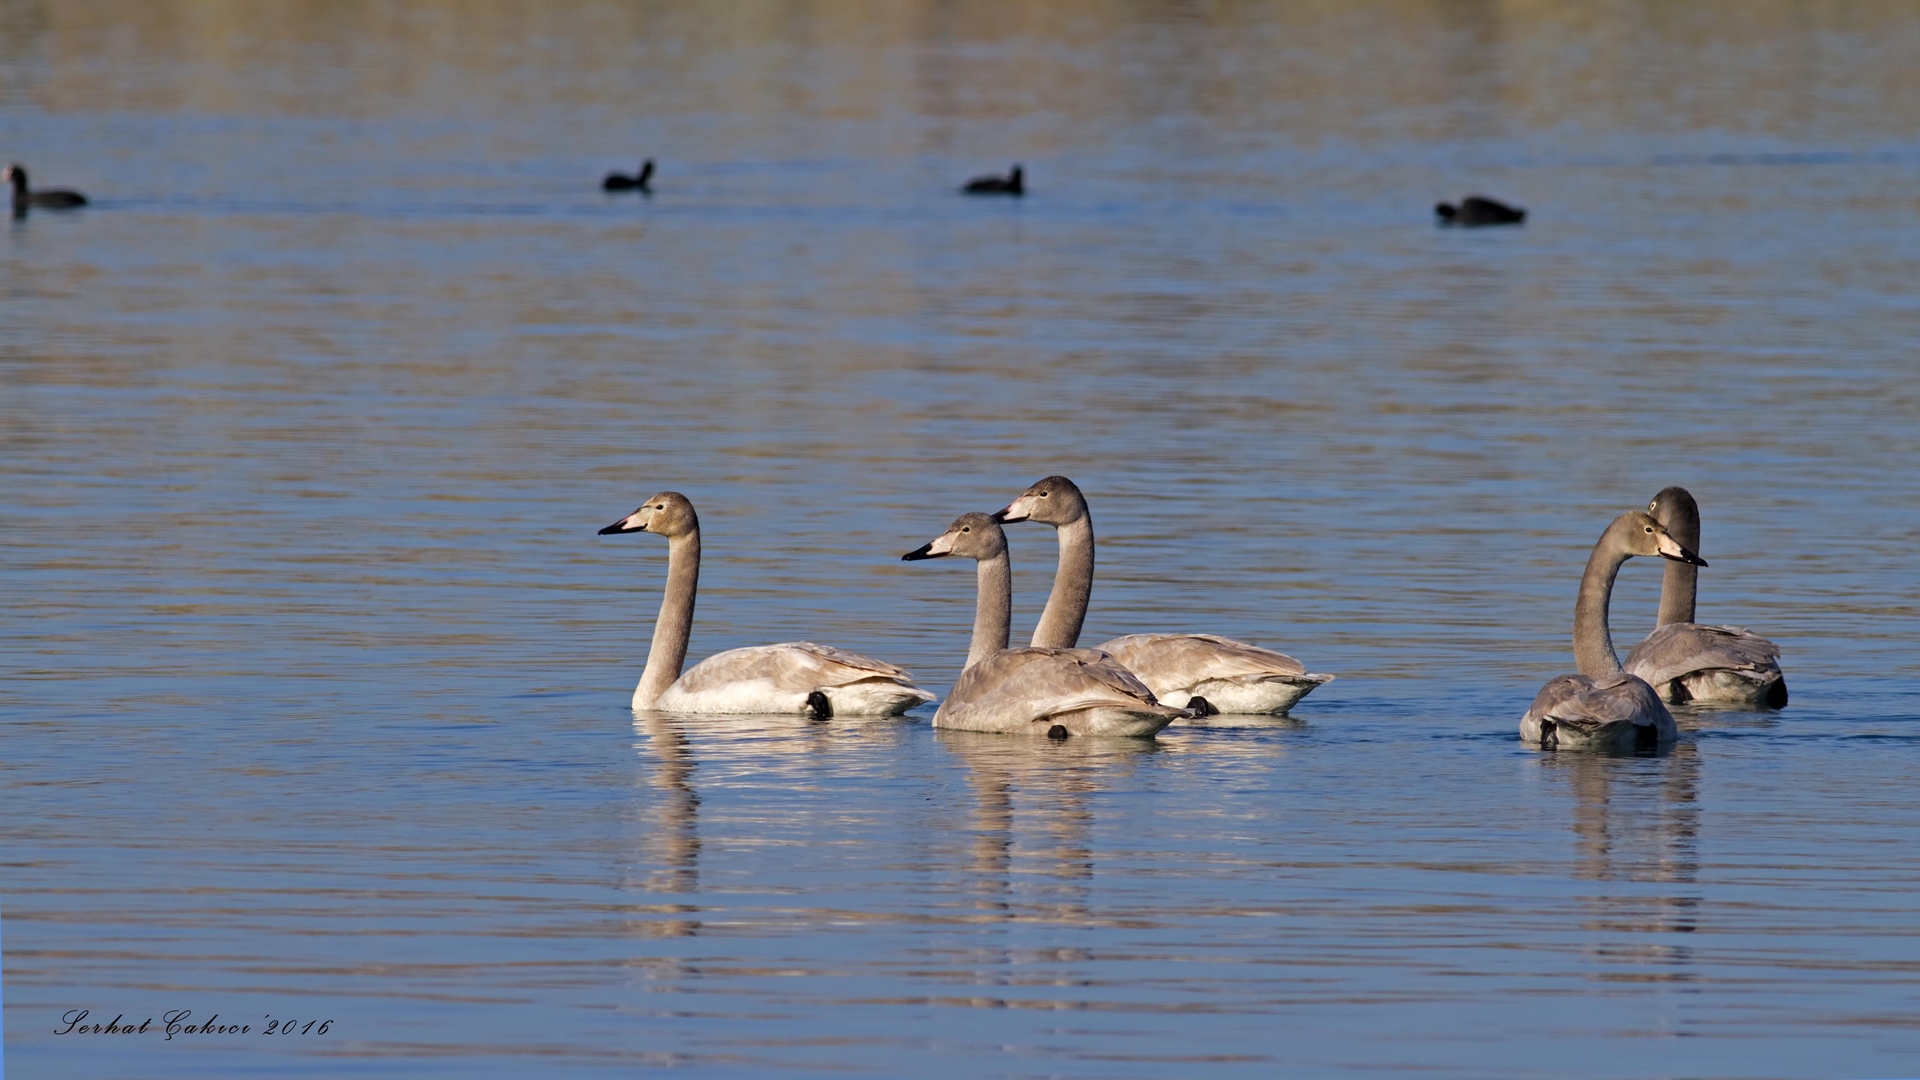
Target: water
[[316, 674]]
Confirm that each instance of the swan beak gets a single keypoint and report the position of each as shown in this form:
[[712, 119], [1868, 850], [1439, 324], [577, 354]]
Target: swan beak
[[933, 549], [1670, 548], [1017, 510], [630, 523]]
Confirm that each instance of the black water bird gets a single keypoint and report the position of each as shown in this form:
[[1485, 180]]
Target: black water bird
[[1014, 183], [24, 196], [637, 182], [1477, 210]]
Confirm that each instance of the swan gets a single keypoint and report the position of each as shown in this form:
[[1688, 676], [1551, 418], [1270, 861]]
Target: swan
[[1479, 210], [638, 181], [1201, 672], [792, 677], [1014, 183], [1052, 692], [1687, 662], [1604, 707], [24, 195]]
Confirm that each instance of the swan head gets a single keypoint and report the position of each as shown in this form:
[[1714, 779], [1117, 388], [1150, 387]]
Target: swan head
[[971, 536], [15, 175], [669, 513], [1054, 501], [1674, 507], [1640, 534]]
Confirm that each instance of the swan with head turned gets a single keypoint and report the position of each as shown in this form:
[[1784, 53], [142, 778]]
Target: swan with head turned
[[1202, 672], [1604, 707], [1703, 665], [792, 677], [1053, 692]]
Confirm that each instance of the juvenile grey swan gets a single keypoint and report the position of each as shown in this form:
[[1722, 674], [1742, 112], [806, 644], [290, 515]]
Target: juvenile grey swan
[[1706, 665], [792, 677], [1202, 672], [1603, 707], [1053, 692]]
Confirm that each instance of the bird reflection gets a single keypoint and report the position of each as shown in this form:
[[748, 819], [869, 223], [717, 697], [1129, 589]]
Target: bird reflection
[[672, 838], [1636, 819], [1033, 797]]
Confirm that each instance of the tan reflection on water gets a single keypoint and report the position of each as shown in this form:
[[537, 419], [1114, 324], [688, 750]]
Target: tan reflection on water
[[671, 837], [1632, 828]]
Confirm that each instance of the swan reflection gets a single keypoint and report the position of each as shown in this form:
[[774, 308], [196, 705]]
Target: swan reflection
[[1637, 820], [670, 839]]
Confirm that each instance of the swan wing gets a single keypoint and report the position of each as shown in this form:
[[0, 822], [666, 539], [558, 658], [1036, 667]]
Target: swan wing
[[1585, 709], [1017, 688], [1191, 659], [1678, 649], [792, 667]]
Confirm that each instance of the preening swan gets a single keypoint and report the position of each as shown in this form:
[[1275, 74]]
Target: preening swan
[[792, 677], [1687, 662], [1055, 692], [1202, 672], [1603, 707]]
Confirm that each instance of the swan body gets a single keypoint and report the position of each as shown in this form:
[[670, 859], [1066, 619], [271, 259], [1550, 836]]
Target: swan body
[[780, 678], [1603, 707], [1205, 672], [1610, 712], [1014, 183], [1231, 676], [1687, 662], [1031, 691], [792, 677]]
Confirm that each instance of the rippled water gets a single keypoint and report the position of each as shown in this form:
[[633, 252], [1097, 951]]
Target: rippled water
[[315, 673]]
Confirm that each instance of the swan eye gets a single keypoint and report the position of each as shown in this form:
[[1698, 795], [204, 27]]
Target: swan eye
[[1043, 494], [1649, 529], [966, 528], [662, 506]]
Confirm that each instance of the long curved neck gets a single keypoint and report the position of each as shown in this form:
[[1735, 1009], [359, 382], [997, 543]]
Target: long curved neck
[[1592, 644], [993, 610], [1066, 609], [675, 624], [1682, 581]]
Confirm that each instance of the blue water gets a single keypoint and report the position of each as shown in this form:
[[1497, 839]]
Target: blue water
[[314, 676]]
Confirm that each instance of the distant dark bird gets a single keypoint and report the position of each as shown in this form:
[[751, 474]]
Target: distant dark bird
[[1479, 210], [623, 182], [24, 196], [1014, 183]]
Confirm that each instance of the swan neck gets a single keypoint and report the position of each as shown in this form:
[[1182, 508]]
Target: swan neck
[[1592, 643], [1066, 608], [993, 610], [675, 624], [1678, 589]]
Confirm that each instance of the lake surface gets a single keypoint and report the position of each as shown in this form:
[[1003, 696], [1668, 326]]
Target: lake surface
[[314, 674]]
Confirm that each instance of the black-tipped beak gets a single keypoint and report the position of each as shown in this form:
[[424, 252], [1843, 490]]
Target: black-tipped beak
[[1006, 515], [924, 551], [1686, 556], [620, 527]]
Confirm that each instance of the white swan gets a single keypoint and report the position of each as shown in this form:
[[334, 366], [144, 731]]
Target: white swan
[[1054, 692], [1603, 707], [1706, 665], [792, 677], [1202, 672]]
